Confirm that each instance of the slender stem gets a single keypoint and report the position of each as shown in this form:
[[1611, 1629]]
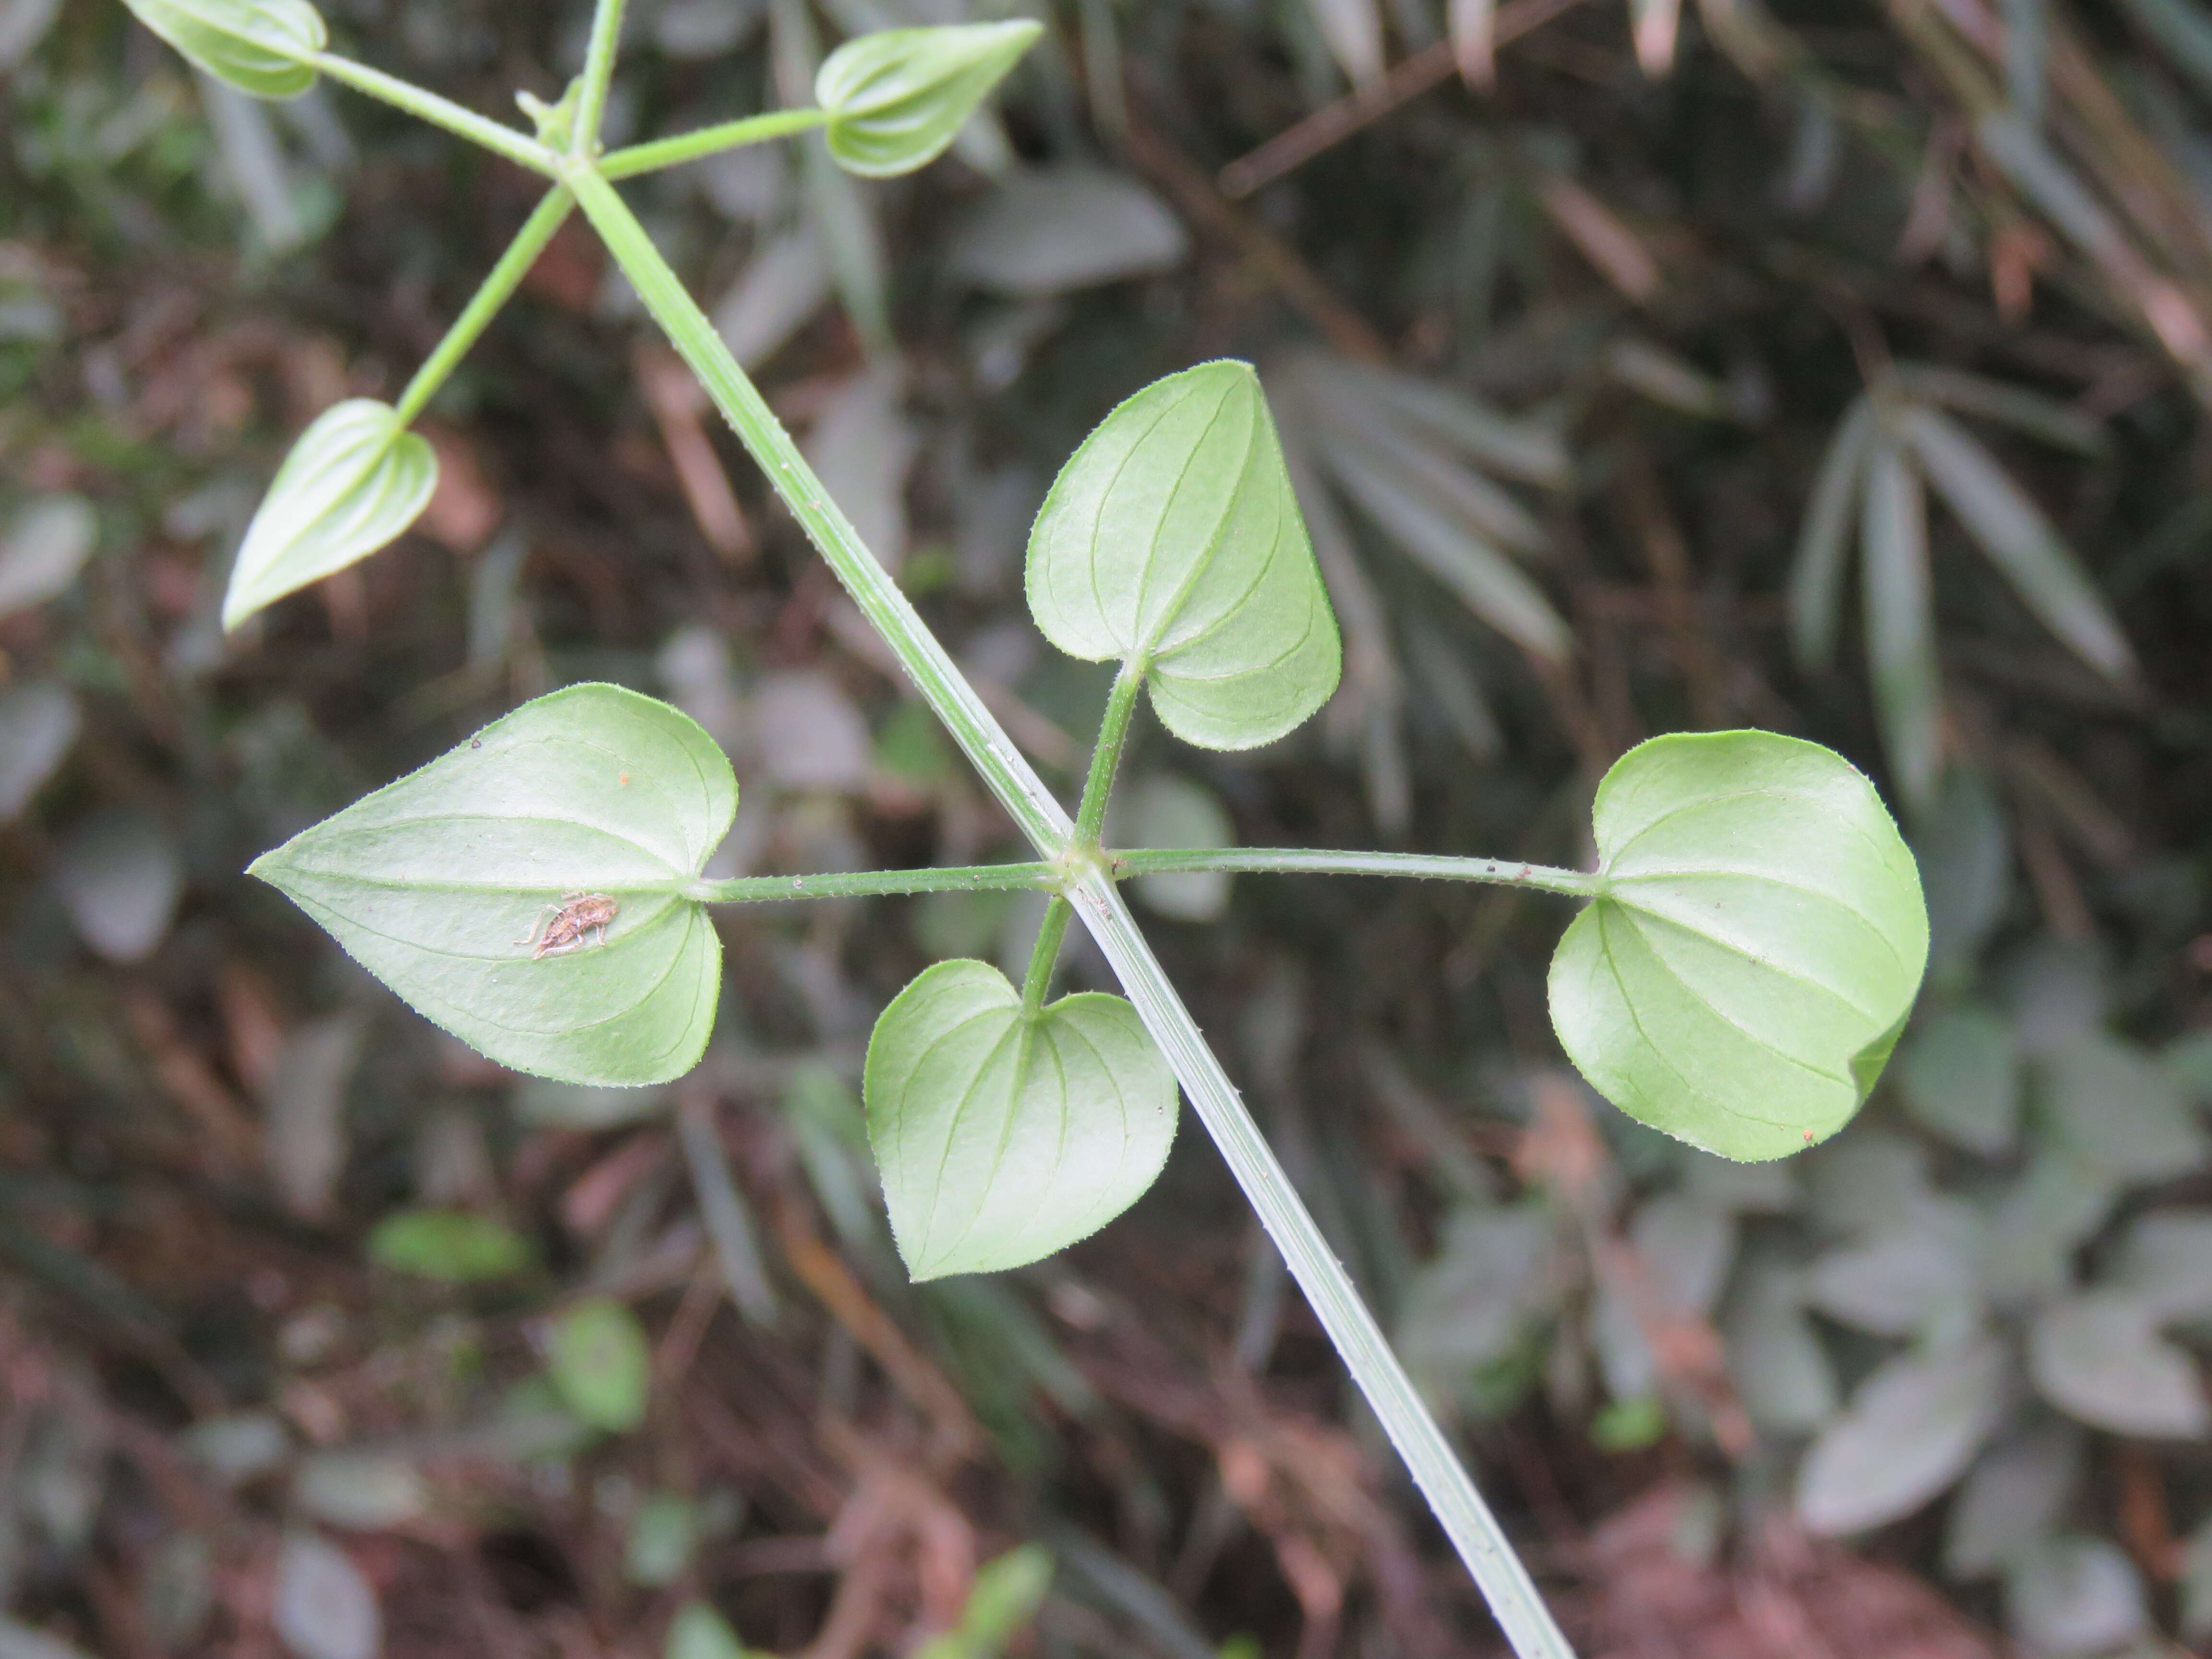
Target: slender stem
[[1474, 1531], [868, 883], [517, 147], [628, 163], [1043, 956], [1106, 754], [598, 74], [1504, 873], [1467, 1520], [496, 289], [1009, 776]]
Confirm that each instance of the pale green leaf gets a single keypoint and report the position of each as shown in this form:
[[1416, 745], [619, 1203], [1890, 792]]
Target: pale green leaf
[[1002, 1138], [2027, 550], [2031, 412], [1165, 810], [1900, 625], [1005, 1596], [353, 480], [601, 1366], [896, 99], [1775, 1356], [1756, 942], [1959, 1074], [45, 546], [2014, 1495], [1171, 539], [266, 47], [2099, 1358], [439, 884], [699, 1632], [1816, 575], [2072, 1596], [451, 1246], [38, 726], [2114, 1109], [1910, 1431]]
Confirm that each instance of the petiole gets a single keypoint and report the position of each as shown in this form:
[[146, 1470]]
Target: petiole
[[1504, 873], [869, 884], [497, 288], [517, 148], [708, 141]]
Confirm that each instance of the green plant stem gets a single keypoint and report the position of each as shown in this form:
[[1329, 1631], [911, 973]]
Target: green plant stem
[[870, 883], [1044, 954], [1503, 872], [1106, 753], [1467, 1520], [1009, 776], [1435, 1469], [496, 289], [517, 147], [599, 74], [628, 163]]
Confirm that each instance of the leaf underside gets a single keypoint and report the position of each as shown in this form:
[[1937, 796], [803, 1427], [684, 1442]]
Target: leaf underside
[[1001, 1139], [896, 97], [1172, 538], [437, 882], [352, 484], [255, 45], [1756, 946]]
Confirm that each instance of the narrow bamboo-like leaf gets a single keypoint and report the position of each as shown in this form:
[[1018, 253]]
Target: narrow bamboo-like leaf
[[353, 480], [1900, 624], [261, 46], [2023, 545], [2034, 413], [473, 887], [896, 99], [1757, 941], [1171, 539], [1002, 1138], [1473, 26], [1656, 24], [1816, 576]]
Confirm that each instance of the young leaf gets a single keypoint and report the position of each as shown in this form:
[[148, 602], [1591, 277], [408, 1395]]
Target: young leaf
[[596, 1355], [1900, 624], [1755, 945], [896, 97], [1002, 1138], [353, 480], [450, 1246], [446, 883], [1912, 1429], [259, 47], [1171, 539]]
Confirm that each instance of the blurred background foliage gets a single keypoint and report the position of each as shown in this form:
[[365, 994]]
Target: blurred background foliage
[[1621, 357]]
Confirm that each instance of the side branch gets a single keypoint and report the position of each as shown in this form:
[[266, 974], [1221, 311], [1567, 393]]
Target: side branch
[[517, 148], [628, 162], [1283, 860]]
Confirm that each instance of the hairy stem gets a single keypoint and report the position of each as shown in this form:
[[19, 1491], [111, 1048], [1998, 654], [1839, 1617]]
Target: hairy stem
[[493, 292], [1044, 954], [1474, 1531], [1467, 1520], [628, 162], [598, 74], [870, 884], [1106, 754], [1504, 873], [1009, 776], [517, 147]]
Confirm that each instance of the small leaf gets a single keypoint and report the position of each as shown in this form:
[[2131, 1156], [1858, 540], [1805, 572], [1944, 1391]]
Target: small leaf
[[321, 1606], [663, 1541], [1901, 1280], [1756, 944], [2020, 542], [47, 544], [1910, 1431], [261, 46], [596, 1355], [1005, 1596], [1165, 810], [1775, 1355], [1002, 1138], [700, 1632], [353, 480], [119, 877], [38, 726], [896, 97], [2110, 1106], [362, 1492], [1900, 625], [1171, 539], [1816, 575], [438, 883], [2166, 1262], [1054, 229], [2097, 1357], [2070, 1595], [2015, 1495], [450, 1246], [1960, 1073]]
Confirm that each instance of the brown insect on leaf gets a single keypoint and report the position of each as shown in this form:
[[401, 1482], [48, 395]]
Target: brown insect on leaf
[[569, 925]]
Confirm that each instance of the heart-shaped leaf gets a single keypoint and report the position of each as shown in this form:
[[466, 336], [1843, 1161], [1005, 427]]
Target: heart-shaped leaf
[[353, 482], [1172, 539], [1002, 1138], [261, 46], [896, 97], [1756, 942], [529, 891]]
